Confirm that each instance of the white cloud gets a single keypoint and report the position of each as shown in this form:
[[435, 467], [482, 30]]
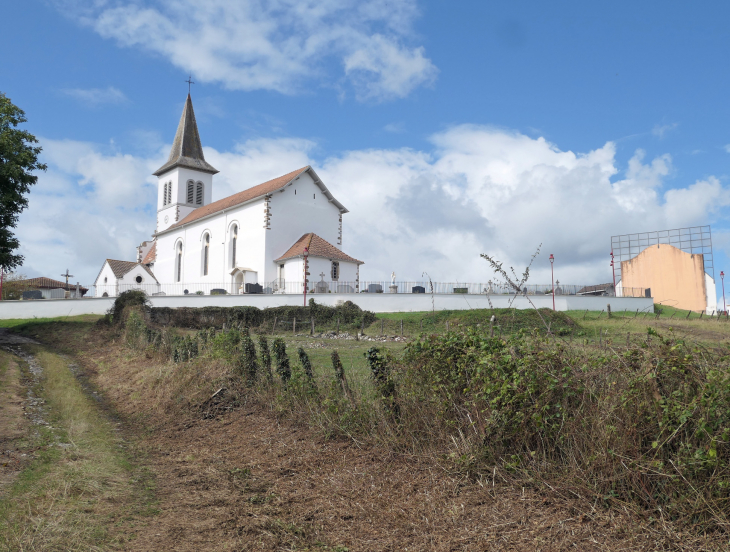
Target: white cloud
[[660, 130], [395, 128], [480, 190], [96, 96], [280, 45]]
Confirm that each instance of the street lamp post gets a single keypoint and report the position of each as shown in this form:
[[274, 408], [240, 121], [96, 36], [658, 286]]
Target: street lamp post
[[552, 277], [722, 279]]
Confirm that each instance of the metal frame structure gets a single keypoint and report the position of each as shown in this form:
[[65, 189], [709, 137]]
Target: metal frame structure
[[693, 240]]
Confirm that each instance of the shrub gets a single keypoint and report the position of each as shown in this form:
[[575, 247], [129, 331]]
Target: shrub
[[248, 358], [265, 356], [131, 298], [282, 360]]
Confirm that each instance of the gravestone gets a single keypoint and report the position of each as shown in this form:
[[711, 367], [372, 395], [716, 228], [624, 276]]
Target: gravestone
[[375, 288], [321, 286], [343, 288], [254, 288], [418, 289], [32, 294], [461, 290], [219, 291]]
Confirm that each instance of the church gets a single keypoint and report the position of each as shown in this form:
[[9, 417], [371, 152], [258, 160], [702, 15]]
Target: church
[[266, 239]]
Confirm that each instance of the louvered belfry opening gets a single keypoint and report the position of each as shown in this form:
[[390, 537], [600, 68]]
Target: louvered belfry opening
[[199, 194], [191, 191]]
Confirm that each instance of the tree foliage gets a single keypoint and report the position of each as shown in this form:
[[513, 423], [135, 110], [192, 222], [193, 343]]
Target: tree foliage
[[18, 161]]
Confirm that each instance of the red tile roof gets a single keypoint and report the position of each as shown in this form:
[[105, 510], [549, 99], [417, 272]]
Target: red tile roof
[[318, 247], [252, 193], [120, 268], [48, 283], [241, 197], [151, 256]]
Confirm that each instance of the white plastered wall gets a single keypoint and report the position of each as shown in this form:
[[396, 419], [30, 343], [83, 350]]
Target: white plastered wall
[[249, 255], [109, 286], [299, 209], [711, 294], [180, 208], [129, 281]]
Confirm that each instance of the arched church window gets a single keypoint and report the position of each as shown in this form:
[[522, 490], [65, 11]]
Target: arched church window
[[178, 262], [191, 192], [234, 243], [335, 270], [206, 252], [199, 194]]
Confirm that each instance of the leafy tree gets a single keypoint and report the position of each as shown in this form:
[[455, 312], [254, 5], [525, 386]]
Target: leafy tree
[[18, 160]]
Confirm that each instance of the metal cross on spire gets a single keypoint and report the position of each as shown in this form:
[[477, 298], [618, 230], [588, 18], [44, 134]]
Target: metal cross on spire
[[67, 275], [190, 81]]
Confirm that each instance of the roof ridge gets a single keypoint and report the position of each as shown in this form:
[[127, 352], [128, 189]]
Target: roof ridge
[[249, 194]]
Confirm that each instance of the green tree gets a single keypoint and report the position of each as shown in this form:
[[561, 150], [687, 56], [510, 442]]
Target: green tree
[[18, 160]]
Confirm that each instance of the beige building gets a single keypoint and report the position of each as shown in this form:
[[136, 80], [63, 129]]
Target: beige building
[[676, 278]]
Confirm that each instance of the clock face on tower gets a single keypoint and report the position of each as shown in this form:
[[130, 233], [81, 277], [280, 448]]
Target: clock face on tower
[[166, 219]]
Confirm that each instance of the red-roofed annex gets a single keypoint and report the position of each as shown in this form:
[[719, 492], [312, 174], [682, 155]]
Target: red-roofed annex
[[251, 241]]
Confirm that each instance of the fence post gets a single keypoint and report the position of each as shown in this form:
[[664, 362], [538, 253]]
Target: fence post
[[312, 326], [363, 326], [688, 313], [273, 329], [491, 326], [382, 322], [628, 339], [401, 327], [294, 326], [608, 307], [338, 326]]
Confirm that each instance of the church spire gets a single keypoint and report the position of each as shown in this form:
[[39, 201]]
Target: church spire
[[187, 151]]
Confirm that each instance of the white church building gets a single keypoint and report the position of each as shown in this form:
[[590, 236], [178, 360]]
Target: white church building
[[276, 237]]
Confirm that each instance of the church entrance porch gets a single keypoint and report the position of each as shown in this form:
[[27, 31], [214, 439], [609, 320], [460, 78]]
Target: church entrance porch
[[240, 278]]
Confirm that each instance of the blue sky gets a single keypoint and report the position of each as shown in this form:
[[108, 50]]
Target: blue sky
[[447, 128]]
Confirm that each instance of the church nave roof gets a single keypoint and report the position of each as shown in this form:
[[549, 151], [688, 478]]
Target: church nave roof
[[255, 192]]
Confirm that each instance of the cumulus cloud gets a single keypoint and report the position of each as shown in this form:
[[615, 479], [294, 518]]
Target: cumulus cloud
[[281, 46], [96, 96], [477, 190]]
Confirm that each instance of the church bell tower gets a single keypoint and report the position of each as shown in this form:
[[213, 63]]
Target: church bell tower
[[185, 181]]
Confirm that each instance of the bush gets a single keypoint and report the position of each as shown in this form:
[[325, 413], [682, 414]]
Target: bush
[[282, 360], [131, 298]]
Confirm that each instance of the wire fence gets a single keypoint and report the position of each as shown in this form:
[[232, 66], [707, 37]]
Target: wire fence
[[387, 287]]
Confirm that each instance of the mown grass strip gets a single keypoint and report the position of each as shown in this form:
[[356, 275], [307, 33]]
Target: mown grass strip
[[81, 487]]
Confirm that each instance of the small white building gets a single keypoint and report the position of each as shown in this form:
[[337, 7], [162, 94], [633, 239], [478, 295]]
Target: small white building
[[252, 241], [118, 276]]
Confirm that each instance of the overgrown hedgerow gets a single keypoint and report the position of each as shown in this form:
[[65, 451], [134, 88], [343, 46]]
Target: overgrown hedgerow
[[647, 426]]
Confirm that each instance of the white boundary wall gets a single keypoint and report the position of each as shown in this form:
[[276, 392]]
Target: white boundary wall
[[376, 302]]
